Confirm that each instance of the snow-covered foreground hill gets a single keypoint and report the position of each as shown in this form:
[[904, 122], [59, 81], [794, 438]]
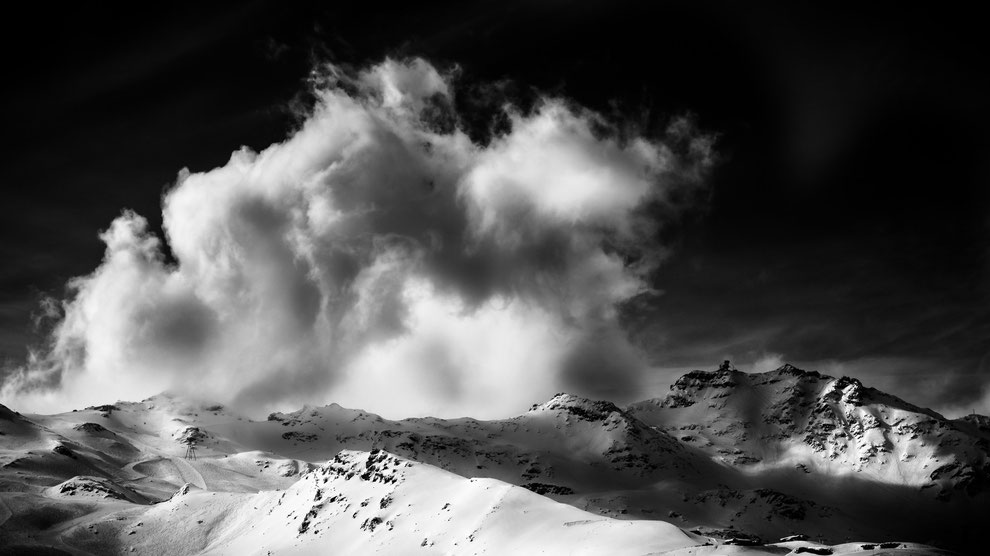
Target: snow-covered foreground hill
[[725, 459]]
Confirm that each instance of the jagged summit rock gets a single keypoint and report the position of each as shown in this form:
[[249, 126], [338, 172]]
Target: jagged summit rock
[[94, 487], [792, 418], [376, 466]]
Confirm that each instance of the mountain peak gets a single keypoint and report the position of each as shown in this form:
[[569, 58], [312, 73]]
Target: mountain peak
[[584, 408], [793, 418], [788, 369], [7, 414]]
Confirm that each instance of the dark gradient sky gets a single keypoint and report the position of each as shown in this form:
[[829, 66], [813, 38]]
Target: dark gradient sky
[[848, 222]]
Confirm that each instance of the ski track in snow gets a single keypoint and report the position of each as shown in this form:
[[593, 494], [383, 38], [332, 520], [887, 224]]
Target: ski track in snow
[[187, 470]]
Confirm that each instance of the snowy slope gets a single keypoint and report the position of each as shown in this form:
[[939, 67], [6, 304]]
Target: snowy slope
[[903, 469], [789, 418], [725, 454], [583, 452], [366, 503]]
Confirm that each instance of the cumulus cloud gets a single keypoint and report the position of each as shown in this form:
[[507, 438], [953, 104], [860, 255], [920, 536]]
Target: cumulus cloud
[[378, 257]]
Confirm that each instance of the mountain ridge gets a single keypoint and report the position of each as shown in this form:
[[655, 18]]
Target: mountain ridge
[[767, 455], [776, 413]]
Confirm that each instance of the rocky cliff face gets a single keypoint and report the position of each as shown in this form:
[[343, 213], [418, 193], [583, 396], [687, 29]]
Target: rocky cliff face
[[790, 418]]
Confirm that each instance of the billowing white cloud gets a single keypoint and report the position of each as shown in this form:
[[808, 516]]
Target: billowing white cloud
[[377, 259]]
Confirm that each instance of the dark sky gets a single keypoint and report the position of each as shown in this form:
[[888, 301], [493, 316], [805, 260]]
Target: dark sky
[[848, 221]]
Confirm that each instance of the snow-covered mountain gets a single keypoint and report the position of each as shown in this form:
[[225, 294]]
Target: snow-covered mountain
[[725, 455], [883, 461], [820, 424], [794, 419]]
